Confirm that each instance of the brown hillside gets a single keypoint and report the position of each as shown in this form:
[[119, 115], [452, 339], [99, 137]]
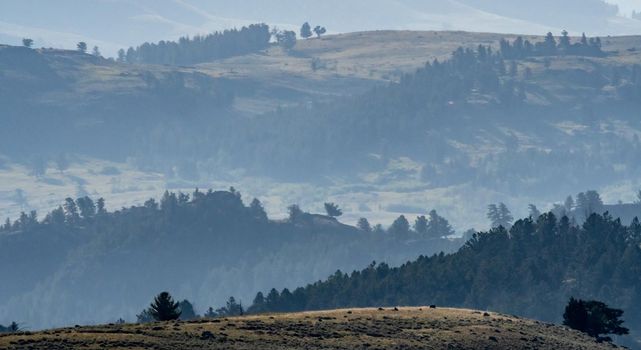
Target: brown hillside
[[404, 328]]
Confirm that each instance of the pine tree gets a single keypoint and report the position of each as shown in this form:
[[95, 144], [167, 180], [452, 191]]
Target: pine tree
[[534, 211], [438, 226], [257, 210], [400, 227], [187, 311], [82, 47], [364, 225], [306, 31], [333, 210], [594, 318], [420, 225], [164, 308]]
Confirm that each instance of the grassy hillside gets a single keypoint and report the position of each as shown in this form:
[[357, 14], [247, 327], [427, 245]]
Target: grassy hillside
[[178, 127], [401, 328]]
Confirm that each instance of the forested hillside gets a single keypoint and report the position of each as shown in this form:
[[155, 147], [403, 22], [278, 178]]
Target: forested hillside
[[532, 269], [201, 49], [81, 264]]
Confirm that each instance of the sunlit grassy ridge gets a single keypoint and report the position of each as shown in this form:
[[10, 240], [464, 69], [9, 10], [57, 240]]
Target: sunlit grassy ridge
[[390, 328]]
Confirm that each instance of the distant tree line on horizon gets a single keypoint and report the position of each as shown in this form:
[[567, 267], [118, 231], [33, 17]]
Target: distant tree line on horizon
[[187, 51], [520, 48]]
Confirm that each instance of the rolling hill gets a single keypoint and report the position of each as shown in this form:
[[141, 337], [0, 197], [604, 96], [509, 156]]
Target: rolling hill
[[116, 24], [136, 118], [398, 328]]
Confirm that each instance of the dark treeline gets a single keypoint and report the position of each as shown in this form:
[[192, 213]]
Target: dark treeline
[[205, 246], [200, 49], [520, 48], [530, 270]]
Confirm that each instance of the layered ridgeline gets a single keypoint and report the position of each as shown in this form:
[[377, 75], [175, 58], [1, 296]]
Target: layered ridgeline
[[523, 113], [81, 264], [530, 270], [529, 115]]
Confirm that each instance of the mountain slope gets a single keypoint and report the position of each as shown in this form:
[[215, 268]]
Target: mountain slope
[[183, 127], [401, 328], [531, 271], [204, 248]]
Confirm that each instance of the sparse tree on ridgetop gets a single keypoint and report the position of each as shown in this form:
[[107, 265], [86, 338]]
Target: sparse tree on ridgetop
[[26, 42], [319, 31], [333, 210], [82, 47], [420, 225], [306, 31], [295, 213]]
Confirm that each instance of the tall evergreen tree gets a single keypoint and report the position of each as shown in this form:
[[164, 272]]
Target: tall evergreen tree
[[306, 31], [164, 308], [421, 225]]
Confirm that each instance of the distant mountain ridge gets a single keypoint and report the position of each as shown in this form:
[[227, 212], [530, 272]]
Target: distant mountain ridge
[[130, 23]]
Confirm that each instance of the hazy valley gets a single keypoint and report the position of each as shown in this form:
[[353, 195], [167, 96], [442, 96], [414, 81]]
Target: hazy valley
[[277, 175]]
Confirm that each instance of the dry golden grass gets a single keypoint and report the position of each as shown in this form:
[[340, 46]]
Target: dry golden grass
[[402, 328]]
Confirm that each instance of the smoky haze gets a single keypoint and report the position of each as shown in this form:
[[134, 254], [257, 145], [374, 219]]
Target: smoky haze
[[218, 148]]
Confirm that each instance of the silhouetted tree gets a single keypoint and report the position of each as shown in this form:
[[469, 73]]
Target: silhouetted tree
[[210, 313], [164, 308], [400, 227], [96, 51], [306, 31], [82, 47], [438, 226], [100, 206], [363, 225], [549, 44], [295, 213], [499, 215], [26, 42], [257, 210], [420, 225], [71, 211], [122, 56], [594, 318], [534, 211], [564, 41], [333, 210], [231, 308], [187, 310], [87, 207], [144, 316], [286, 39], [589, 203], [319, 31]]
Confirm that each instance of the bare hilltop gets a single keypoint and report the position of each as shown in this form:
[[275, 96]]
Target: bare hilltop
[[371, 328]]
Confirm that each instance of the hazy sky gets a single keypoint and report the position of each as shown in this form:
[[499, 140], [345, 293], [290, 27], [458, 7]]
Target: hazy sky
[[113, 24], [627, 6]]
